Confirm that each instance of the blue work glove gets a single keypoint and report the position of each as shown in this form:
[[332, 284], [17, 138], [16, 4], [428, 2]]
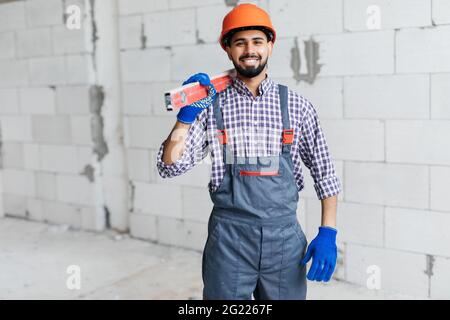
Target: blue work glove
[[187, 114], [323, 250]]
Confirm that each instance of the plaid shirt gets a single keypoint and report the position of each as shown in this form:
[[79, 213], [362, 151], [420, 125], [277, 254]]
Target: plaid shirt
[[254, 128]]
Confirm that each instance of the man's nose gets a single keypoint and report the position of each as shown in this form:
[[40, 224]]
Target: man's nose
[[250, 50]]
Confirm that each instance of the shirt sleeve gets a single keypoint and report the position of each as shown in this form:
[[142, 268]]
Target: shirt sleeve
[[196, 149], [315, 155]]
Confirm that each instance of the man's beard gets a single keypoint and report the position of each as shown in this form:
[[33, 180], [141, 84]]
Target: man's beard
[[250, 72]]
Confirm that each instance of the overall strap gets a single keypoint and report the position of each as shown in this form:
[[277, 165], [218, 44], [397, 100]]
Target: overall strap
[[221, 132], [288, 133]]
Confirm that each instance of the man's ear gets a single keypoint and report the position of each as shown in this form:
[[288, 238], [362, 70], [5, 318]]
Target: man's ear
[[270, 47], [228, 50]]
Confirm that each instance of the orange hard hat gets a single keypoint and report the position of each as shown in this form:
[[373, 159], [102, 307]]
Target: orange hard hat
[[246, 16]]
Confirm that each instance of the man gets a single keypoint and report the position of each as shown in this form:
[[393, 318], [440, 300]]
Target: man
[[258, 133]]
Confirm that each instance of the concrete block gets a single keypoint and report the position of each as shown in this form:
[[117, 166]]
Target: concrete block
[[12, 16], [361, 224], [139, 164], [85, 158], [145, 132], [430, 56], [59, 158], [31, 153], [137, 99], [143, 226], [356, 53], [12, 155], [131, 32], [198, 176], [142, 6], [389, 264], [177, 4], [152, 162], [62, 213], [177, 27], [441, 11], [387, 97], [8, 48], [37, 100], [325, 94], [439, 288], [313, 218], [182, 233], [394, 14], [19, 182], [14, 73], [44, 12], [311, 17], [145, 65], [158, 199], [89, 219], [368, 144], [79, 69], [14, 205], [81, 132], [309, 191], [197, 204], [279, 65], [209, 29], [425, 231], [69, 41], [409, 142], [440, 192], [34, 43], [387, 184], [440, 96], [47, 71], [16, 128], [157, 101], [73, 100], [75, 190], [51, 129], [34, 209], [46, 185], [9, 101], [210, 59]]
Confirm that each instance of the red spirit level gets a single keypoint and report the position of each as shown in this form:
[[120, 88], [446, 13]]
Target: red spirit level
[[192, 92]]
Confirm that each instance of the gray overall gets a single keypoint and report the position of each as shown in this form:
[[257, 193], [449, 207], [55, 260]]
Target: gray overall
[[255, 243]]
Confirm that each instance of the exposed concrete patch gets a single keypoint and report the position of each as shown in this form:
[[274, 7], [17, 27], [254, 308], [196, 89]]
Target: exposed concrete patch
[[296, 61], [94, 33], [88, 172], [429, 271], [107, 218], [132, 195], [312, 58], [143, 37], [97, 96], [199, 41]]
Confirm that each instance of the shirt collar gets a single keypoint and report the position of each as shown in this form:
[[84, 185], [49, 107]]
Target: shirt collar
[[264, 86]]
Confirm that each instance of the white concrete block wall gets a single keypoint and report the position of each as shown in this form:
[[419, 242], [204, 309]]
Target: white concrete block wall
[[383, 106], [381, 94], [46, 114]]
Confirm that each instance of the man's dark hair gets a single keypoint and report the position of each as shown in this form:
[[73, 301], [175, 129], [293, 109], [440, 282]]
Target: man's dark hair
[[227, 38]]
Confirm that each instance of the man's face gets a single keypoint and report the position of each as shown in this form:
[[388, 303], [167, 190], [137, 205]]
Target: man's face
[[249, 51]]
